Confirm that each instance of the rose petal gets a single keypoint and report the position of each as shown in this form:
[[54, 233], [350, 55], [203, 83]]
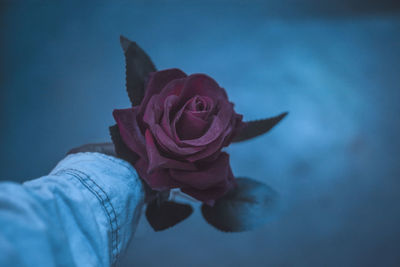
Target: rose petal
[[192, 106], [171, 145], [207, 176], [158, 180], [210, 148], [157, 81], [237, 125], [197, 103], [156, 160], [130, 130], [218, 125], [175, 121], [153, 111], [200, 114], [203, 85], [212, 133], [209, 195], [169, 104], [174, 87], [190, 126]]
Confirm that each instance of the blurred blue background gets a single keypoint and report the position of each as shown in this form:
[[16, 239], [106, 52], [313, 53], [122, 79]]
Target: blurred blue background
[[334, 65]]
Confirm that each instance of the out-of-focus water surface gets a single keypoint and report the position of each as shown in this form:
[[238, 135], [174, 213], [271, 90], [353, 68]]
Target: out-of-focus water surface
[[335, 66]]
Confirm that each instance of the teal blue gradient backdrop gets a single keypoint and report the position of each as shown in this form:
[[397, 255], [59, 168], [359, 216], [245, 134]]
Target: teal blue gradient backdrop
[[335, 66]]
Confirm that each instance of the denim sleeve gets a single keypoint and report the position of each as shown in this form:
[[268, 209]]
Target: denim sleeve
[[83, 213]]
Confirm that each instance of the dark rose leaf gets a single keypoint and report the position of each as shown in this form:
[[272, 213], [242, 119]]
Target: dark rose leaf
[[138, 67], [120, 148], [166, 214], [246, 207], [255, 128]]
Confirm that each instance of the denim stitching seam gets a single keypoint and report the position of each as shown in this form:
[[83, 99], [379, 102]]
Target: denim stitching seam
[[114, 220], [104, 201]]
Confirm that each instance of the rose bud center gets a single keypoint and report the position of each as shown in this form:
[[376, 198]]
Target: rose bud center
[[194, 120]]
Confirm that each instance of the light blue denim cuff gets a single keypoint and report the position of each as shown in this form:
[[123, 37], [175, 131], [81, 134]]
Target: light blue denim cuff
[[108, 210]]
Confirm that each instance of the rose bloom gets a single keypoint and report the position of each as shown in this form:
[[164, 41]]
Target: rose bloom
[[178, 132]]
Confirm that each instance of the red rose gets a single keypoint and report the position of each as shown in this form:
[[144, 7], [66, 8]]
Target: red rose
[[178, 132]]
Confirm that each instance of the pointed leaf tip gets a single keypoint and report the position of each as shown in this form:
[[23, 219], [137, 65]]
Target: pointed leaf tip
[[125, 42], [138, 66], [166, 214], [258, 127]]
